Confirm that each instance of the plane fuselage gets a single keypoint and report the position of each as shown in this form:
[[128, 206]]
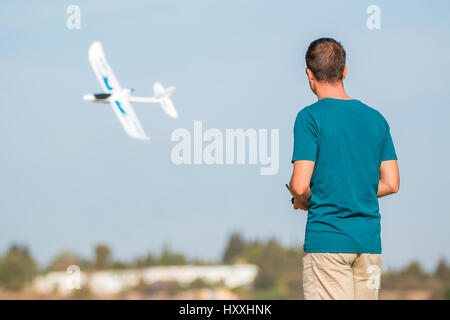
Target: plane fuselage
[[106, 97]]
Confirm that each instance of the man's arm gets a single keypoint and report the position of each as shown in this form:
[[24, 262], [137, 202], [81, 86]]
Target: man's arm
[[389, 178], [299, 186]]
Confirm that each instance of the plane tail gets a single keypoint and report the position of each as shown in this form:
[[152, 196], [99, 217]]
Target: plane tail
[[163, 97]]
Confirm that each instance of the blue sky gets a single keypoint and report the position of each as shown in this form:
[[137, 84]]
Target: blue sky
[[71, 177]]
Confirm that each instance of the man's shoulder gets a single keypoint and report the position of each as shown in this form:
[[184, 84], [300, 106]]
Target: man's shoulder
[[311, 109], [374, 113], [369, 108], [313, 106], [315, 109]]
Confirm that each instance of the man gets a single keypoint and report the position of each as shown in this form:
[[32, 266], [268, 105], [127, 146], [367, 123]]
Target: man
[[344, 160]]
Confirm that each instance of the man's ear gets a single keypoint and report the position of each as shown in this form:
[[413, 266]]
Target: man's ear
[[310, 74], [344, 74], [311, 80]]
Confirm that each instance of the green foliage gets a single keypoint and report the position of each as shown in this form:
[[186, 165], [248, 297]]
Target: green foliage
[[173, 288], [446, 294], [64, 260], [272, 263], [102, 257], [236, 245], [17, 268], [119, 265], [81, 294], [169, 258], [198, 284], [442, 271], [269, 294], [279, 275], [147, 261], [166, 258], [411, 277], [413, 270]]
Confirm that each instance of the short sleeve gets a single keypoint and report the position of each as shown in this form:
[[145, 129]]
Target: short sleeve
[[306, 137], [388, 150]]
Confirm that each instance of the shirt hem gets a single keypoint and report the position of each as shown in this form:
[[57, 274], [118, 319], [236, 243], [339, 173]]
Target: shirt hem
[[341, 250], [312, 158]]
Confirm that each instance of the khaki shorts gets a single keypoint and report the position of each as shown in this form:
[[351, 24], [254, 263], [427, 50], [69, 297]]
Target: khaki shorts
[[341, 276]]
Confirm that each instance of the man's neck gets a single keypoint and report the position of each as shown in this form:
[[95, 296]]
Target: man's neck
[[331, 90]]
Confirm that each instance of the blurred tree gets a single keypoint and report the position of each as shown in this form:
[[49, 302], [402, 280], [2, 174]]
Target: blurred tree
[[102, 257], [442, 271], [413, 270], [411, 277], [446, 294], [168, 258], [272, 264], [173, 288], [294, 272], [63, 260], [146, 261], [17, 268], [82, 294], [119, 265], [236, 245], [252, 252], [198, 283]]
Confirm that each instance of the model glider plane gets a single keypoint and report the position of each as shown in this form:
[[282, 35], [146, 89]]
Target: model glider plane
[[120, 98]]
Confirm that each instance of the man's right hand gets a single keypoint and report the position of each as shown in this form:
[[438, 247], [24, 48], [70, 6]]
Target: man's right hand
[[298, 204]]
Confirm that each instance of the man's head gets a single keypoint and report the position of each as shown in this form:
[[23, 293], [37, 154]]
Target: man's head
[[325, 61]]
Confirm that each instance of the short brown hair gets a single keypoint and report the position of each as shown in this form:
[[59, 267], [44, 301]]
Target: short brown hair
[[325, 57]]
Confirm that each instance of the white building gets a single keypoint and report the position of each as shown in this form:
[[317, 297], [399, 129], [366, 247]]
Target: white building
[[116, 281]]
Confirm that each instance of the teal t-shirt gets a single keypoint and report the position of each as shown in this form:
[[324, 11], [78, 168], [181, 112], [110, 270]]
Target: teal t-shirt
[[347, 140]]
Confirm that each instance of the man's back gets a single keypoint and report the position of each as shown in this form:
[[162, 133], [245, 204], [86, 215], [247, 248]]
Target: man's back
[[347, 140], [344, 160]]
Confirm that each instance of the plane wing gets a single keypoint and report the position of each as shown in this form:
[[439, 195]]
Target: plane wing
[[128, 119], [102, 71]]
